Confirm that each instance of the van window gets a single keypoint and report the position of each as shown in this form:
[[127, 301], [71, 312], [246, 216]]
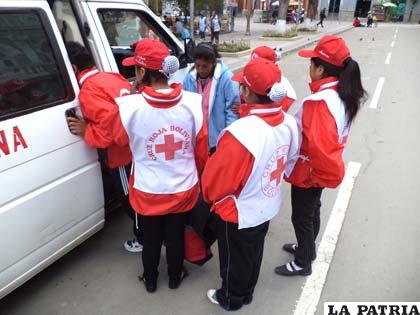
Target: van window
[[124, 27], [31, 74]]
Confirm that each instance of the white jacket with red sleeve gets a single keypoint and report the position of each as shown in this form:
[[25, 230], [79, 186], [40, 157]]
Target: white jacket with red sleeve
[[167, 135], [324, 127], [243, 178]]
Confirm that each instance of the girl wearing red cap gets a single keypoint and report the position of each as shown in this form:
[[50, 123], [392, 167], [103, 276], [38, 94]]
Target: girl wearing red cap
[[324, 119], [167, 135], [243, 180]]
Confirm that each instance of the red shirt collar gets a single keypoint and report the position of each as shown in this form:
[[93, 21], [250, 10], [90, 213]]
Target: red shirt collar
[[326, 83], [163, 100], [83, 75]]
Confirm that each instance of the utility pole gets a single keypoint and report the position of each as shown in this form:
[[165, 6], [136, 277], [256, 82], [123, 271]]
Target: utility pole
[[192, 18]]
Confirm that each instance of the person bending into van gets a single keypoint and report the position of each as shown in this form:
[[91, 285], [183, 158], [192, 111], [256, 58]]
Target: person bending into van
[[97, 93], [212, 79], [167, 134], [324, 119], [243, 180]]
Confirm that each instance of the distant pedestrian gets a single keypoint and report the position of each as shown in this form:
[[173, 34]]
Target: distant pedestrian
[[203, 26], [179, 26], [215, 26], [324, 119], [322, 16], [274, 15], [243, 180], [369, 19]]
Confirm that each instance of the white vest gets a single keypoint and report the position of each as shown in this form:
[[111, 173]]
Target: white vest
[[337, 109], [275, 150], [162, 141]]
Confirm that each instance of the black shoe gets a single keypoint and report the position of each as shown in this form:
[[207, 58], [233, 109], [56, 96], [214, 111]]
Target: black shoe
[[291, 248], [175, 282], [149, 283], [283, 270], [247, 300]]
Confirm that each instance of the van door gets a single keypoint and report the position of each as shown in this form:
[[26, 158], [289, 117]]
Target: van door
[[51, 196], [115, 26]]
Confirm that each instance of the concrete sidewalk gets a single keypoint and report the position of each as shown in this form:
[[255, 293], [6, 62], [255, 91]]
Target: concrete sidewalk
[[287, 46]]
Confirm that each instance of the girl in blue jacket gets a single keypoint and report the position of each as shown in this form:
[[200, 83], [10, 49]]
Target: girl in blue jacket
[[212, 79]]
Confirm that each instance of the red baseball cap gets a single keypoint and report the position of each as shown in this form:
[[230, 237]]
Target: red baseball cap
[[264, 52], [259, 75], [148, 53], [331, 49]]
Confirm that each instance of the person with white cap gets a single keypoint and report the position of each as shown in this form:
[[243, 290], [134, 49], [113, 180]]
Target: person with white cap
[[324, 119], [272, 55], [167, 134], [243, 180]]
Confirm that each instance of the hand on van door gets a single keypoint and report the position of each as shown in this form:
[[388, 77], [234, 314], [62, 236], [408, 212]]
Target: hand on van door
[[77, 125]]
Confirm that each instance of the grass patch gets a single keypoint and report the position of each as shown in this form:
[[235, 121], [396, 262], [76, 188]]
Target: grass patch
[[307, 30], [234, 46], [288, 34]]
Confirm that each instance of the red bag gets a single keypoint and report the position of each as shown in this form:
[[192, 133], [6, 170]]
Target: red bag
[[195, 248]]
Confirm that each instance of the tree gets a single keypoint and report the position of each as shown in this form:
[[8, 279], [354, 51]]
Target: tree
[[283, 6], [248, 15], [312, 9]]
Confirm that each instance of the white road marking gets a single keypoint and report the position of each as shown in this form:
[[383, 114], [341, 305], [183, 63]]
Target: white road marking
[[388, 58], [309, 298], [396, 30], [395, 35], [393, 43], [377, 94]]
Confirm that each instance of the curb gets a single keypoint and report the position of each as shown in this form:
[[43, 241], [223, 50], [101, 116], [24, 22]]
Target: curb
[[283, 39], [290, 50], [235, 54]]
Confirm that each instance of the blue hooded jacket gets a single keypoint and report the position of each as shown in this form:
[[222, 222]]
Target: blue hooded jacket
[[224, 92]]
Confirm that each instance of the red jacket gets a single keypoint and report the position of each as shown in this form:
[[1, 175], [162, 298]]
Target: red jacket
[[160, 204], [321, 163], [228, 169], [97, 93]]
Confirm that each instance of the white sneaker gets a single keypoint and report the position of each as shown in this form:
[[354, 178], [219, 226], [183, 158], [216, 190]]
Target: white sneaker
[[211, 295], [133, 246]]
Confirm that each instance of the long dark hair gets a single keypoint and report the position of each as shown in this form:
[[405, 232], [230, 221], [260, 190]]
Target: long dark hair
[[349, 88], [206, 51], [151, 76]]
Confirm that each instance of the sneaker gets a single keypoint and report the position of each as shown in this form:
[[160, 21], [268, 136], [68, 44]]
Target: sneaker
[[248, 299], [133, 246], [175, 282], [291, 248], [291, 269], [149, 283], [211, 295]]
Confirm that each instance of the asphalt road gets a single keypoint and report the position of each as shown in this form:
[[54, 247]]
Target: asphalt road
[[377, 256]]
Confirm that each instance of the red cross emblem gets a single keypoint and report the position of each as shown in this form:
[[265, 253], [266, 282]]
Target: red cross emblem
[[276, 175], [169, 147]]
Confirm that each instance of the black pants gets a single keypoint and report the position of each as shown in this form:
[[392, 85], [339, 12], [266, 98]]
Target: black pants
[[321, 22], [306, 205], [240, 257], [121, 176], [215, 36], [156, 229]]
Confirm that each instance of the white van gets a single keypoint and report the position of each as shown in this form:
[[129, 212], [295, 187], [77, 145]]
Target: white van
[[51, 195]]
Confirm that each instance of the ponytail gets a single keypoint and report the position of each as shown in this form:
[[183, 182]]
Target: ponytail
[[349, 88]]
